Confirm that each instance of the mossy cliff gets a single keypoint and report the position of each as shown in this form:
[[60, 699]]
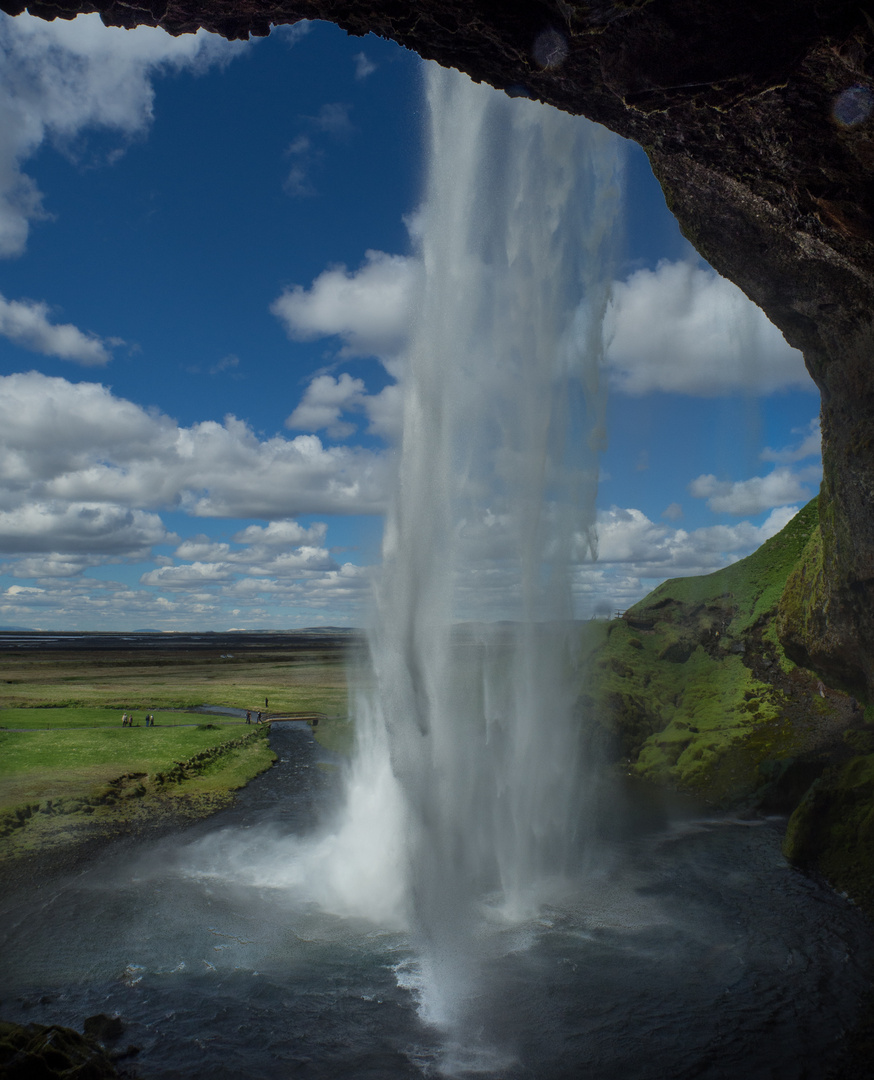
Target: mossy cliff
[[699, 692]]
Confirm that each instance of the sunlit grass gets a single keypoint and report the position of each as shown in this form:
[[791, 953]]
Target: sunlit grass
[[83, 717], [37, 765], [58, 787], [70, 771]]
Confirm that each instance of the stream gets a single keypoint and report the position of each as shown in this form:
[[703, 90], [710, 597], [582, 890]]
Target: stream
[[686, 948]]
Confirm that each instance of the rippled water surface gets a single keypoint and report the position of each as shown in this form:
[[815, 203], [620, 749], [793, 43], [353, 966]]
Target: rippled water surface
[[687, 949]]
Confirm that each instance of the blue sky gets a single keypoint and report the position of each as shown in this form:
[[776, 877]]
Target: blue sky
[[205, 278]]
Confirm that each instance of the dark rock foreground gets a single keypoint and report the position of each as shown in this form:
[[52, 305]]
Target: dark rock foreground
[[42, 1052]]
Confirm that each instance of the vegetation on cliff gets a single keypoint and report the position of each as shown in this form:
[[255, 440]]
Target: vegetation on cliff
[[706, 686], [699, 693]]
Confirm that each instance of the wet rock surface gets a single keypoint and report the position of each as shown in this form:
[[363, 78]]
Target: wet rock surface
[[42, 1052]]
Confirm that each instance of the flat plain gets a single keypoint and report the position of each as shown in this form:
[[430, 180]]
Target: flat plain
[[70, 772]]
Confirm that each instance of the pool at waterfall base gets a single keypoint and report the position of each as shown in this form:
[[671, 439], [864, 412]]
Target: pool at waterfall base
[[686, 947]]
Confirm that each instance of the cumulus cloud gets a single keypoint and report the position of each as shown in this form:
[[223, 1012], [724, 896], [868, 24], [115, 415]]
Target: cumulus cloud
[[327, 398], [80, 527], [631, 556], [91, 495], [759, 493], [683, 329], [809, 445], [385, 412], [369, 310], [627, 536], [635, 554], [27, 323], [105, 450], [282, 534], [287, 550], [190, 575], [53, 565], [58, 79]]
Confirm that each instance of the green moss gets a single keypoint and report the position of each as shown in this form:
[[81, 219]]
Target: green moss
[[803, 604], [745, 591], [694, 684], [833, 828]]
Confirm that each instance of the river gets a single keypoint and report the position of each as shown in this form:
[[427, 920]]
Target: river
[[686, 948]]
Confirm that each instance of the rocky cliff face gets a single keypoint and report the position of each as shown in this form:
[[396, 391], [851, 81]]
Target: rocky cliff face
[[757, 117]]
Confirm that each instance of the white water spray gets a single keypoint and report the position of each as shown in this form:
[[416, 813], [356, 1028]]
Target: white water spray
[[469, 785]]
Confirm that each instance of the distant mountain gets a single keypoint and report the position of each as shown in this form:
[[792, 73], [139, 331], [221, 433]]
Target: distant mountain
[[16, 630]]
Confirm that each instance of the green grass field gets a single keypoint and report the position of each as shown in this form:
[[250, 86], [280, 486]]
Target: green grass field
[[63, 719], [58, 763], [69, 770]]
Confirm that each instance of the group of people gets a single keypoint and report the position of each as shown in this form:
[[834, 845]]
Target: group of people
[[127, 720], [249, 719]]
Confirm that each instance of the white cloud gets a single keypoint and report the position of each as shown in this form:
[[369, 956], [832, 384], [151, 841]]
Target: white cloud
[[303, 156], [26, 323], [53, 565], [644, 549], [191, 575], [305, 560], [325, 399], [363, 66], [369, 309], [810, 445], [107, 451], [753, 496], [683, 329], [282, 534], [385, 412], [58, 79], [80, 527], [332, 117], [254, 557], [332, 120]]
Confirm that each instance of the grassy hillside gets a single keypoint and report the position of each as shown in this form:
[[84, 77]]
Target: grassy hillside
[[698, 693]]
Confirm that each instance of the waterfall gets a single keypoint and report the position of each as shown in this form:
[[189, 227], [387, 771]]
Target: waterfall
[[468, 798]]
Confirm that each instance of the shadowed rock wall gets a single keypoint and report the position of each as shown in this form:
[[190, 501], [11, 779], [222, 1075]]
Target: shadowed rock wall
[[756, 115]]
